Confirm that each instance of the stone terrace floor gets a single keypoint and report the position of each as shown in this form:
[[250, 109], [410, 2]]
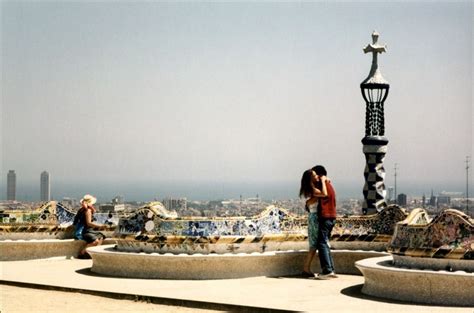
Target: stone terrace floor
[[257, 294]]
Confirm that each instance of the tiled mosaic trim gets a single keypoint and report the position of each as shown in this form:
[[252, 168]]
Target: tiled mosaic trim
[[171, 240], [376, 227], [212, 244], [449, 235], [153, 223], [57, 214], [52, 217], [150, 221], [33, 228], [274, 223]]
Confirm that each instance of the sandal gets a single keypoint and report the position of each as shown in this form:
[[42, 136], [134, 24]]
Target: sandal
[[84, 256]]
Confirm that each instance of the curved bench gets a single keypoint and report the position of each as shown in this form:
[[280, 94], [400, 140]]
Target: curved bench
[[14, 250], [383, 279], [108, 261]]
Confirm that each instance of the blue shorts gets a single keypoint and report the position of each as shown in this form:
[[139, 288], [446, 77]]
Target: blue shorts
[[313, 228]]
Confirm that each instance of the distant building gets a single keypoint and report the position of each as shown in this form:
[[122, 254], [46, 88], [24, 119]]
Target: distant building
[[390, 194], [253, 200], [444, 200], [70, 202], [11, 185], [432, 199], [175, 204], [118, 200], [45, 187], [402, 199], [110, 207]]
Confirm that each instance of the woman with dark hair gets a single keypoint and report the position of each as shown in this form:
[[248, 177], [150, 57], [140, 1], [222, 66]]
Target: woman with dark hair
[[311, 189], [326, 220]]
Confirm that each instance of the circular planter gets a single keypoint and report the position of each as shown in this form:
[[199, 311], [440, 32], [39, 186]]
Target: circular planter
[[108, 261], [384, 280]]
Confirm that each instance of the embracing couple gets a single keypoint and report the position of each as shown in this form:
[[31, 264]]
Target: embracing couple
[[320, 198]]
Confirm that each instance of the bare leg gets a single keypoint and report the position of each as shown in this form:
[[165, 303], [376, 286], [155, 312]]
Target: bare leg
[[308, 260], [92, 244]]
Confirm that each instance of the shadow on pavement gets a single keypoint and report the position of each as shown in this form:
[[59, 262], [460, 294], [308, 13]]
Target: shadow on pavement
[[87, 272], [356, 292]]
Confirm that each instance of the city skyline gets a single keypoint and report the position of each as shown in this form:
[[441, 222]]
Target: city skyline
[[234, 93], [204, 190]]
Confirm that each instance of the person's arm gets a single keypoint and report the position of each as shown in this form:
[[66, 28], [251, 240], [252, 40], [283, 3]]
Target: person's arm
[[89, 220], [323, 192]]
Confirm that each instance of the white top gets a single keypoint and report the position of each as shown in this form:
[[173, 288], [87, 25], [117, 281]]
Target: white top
[[313, 208]]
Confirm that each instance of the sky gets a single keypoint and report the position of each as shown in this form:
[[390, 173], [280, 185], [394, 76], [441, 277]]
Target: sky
[[131, 93]]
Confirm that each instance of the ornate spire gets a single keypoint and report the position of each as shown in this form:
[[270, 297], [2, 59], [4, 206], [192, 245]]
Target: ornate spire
[[375, 76]]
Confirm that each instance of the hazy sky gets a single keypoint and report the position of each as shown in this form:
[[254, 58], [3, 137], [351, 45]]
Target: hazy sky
[[234, 92]]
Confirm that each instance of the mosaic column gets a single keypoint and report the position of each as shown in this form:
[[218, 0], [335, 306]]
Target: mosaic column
[[374, 91], [374, 188]]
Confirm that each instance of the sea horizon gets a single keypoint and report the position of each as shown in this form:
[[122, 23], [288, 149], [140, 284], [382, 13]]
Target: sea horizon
[[209, 190]]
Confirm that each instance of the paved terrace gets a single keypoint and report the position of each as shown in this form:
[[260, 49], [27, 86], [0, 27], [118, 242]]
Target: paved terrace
[[258, 294]]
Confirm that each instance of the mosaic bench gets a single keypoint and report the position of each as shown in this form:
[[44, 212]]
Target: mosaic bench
[[445, 242], [152, 243], [52, 220], [45, 232], [367, 232], [151, 230], [432, 261]]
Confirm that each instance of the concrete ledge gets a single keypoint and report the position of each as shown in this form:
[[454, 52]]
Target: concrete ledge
[[230, 244], [223, 247], [433, 263], [15, 250], [41, 233], [359, 245], [384, 280], [108, 261]]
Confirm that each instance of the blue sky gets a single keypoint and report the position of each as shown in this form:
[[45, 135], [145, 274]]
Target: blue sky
[[231, 92]]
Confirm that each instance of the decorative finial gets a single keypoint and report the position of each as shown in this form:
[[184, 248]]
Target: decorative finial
[[375, 76], [375, 37]]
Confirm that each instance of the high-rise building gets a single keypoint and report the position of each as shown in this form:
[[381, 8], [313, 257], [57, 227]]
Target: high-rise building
[[45, 187], [391, 194], [432, 199], [402, 199], [11, 185]]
